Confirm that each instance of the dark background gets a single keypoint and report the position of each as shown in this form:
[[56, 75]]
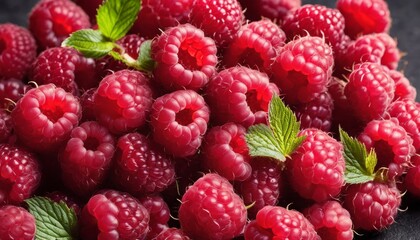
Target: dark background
[[405, 28]]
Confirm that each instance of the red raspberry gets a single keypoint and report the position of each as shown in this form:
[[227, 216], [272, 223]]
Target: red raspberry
[[316, 113], [17, 51], [372, 205], [210, 209], [330, 220], [179, 121], [16, 223], [111, 215], [122, 101], [140, 167], [20, 174], [220, 20], [224, 150], [364, 17], [264, 187], [172, 234], [316, 20], [403, 87], [276, 10], [391, 142], [245, 93], [88, 107], [6, 126], [44, 117], [161, 14], [316, 168], [185, 58], [90, 7], [86, 158], [369, 91], [11, 89], [159, 214], [412, 178], [255, 45], [52, 21], [274, 222], [302, 69]]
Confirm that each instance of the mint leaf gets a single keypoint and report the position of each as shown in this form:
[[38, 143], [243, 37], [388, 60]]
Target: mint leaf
[[91, 43], [360, 165], [145, 61], [53, 220], [285, 126], [116, 17], [261, 142]]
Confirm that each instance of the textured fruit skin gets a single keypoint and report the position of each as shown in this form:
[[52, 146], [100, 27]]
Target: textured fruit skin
[[316, 113], [264, 187], [17, 51], [44, 117], [316, 168], [12, 89], [369, 91], [224, 151], [275, 222], [185, 58], [52, 21], [159, 15], [20, 174], [255, 45], [111, 215], [220, 20], [210, 209], [159, 214], [172, 234], [372, 205], [330, 220], [6, 126], [245, 93], [179, 121], [364, 17], [403, 87], [86, 158], [16, 223], [411, 180], [276, 10], [302, 69], [140, 167], [122, 101], [392, 144]]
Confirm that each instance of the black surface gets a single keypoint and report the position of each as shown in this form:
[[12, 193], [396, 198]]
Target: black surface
[[405, 28]]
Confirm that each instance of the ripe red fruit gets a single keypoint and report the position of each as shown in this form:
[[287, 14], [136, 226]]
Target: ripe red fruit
[[276, 10], [16, 223], [159, 214], [6, 126], [412, 179], [11, 89], [403, 87], [172, 234]]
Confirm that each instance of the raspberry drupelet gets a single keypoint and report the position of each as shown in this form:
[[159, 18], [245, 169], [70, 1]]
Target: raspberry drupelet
[[16, 223], [403, 87], [185, 58], [12, 89], [179, 121], [159, 214], [172, 234], [275, 10]]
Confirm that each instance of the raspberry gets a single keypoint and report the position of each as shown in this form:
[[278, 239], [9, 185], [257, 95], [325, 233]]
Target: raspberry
[[88, 107], [6, 126], [179, 121], [172, 234], [391, 142], [316, 168], [274, 222], [276, 10], [330, 220], [86, 158], [185, 58], [369, 91], [90, 7], [255, 45], [364, 17], [11, 89], [316, 113], [372, 205], [159, 214], [113, 215], [224, 150], [17, 51], [20, 174], [160, 14], [245, 93], [210, 209], [122, 101], [264, 187], [16, 223], [302, 69], [316, 20], [140, 167], [52, 21], [403, 87], [412, 178], [44, 117], [220, 20]]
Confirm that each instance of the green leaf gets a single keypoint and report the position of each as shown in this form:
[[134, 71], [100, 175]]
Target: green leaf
[[284, 125], [116, 17], [145, 61], [53, 220], [91, 43], [261, 142], [360, 165]]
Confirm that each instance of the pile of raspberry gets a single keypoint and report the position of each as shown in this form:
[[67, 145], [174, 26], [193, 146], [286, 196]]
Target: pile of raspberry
[[163, 154]]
